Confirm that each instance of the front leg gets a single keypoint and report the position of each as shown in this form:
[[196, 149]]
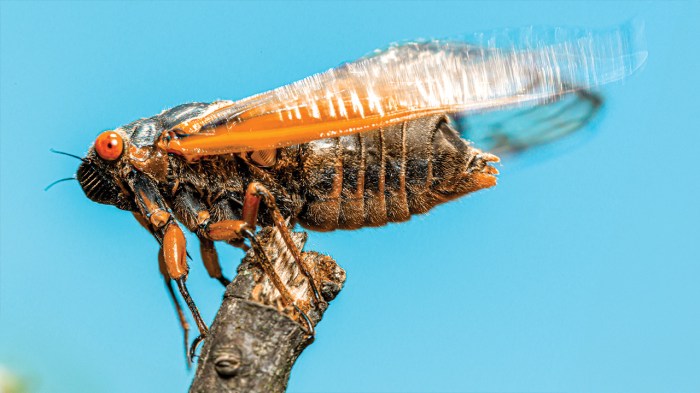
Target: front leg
[[173, 244], [168, 281]]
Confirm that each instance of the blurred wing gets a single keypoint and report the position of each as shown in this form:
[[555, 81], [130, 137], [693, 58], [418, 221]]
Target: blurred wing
[[515, 130], [413, 80]]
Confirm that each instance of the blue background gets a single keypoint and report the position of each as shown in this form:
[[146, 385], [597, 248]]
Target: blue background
[[578, 273]]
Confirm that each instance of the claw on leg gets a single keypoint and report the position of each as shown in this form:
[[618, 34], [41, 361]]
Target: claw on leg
[[203, 330], [193, 349], [309, 325], [224, 281]]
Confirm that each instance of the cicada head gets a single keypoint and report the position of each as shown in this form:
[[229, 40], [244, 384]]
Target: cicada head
[[103, 171]]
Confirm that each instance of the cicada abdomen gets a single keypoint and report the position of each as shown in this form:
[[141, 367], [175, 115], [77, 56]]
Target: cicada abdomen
[[389, 174]]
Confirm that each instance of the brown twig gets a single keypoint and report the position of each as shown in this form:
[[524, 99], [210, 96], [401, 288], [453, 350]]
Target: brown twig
[[256, 338]]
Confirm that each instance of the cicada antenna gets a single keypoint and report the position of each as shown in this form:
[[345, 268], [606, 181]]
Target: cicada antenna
[[60, 181], [66, 154]]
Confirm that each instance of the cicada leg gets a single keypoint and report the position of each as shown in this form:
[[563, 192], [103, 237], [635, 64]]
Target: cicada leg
[[211, 260], [168, 281], [175, 257], [163, 226], [251, 203]]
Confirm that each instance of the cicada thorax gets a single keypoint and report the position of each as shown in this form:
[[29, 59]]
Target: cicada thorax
[[387, 175], [219, 183]]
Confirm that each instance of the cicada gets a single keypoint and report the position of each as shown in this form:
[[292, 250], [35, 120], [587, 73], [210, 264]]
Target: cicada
[[364, 144]]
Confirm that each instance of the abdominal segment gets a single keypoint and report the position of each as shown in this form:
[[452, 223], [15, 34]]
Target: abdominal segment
[[387, 175]]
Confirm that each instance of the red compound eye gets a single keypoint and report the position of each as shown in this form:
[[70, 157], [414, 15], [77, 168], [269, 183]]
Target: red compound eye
[[109, 145]]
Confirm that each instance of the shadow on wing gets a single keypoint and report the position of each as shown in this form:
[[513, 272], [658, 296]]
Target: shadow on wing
[[510, 132]]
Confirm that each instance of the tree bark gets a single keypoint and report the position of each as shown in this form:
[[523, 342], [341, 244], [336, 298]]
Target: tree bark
[[255, 338]]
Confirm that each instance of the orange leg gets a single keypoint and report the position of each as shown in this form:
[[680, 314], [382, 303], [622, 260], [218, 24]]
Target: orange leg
[[211, 260]]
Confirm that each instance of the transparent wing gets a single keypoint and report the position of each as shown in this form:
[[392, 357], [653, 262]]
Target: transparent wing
[[518, 129], [404, 82]]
